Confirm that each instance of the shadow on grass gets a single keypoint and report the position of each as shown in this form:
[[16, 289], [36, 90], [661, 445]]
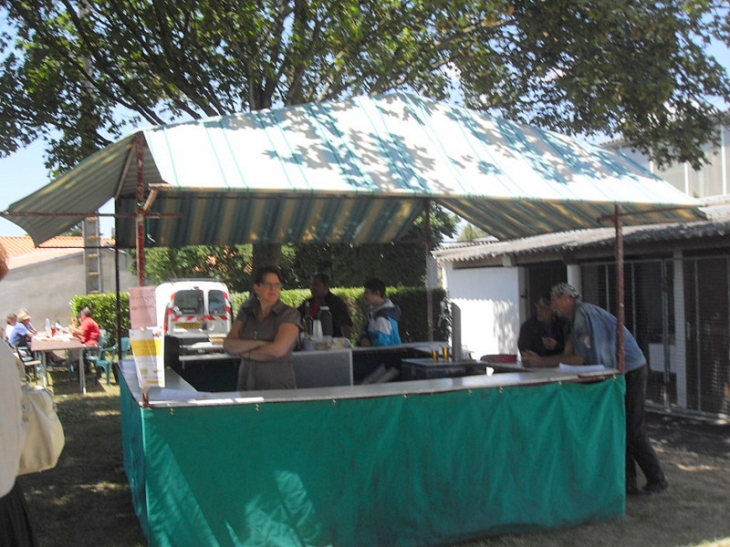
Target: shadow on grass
[[85, 500]]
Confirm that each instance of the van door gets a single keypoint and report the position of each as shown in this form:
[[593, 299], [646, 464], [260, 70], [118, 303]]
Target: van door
[[186, 315], [219, 312]]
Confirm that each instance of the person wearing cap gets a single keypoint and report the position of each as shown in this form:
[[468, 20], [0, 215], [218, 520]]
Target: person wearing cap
[[16, 527], [23, 331], [593, 342]]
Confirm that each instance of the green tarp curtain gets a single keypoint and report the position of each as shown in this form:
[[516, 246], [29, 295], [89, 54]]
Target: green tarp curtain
[[387, 471]]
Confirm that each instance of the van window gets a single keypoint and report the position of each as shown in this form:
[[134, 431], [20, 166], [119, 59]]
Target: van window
[[190, 302], [216, 303]]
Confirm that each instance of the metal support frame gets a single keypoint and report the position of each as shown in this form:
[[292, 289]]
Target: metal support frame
[[620, 312]]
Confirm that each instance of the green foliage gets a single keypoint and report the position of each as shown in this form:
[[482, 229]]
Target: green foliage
[[615, 67], [402, 263], [352, 265], [76, 231], [470, 233], [229, 263], [414, 324], [622, 68], [412, 300], [104, 309]]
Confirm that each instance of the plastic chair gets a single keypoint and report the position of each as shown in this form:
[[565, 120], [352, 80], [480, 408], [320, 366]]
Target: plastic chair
[[105, 360], [30, 363], [126, 347], [91, 353], [104, 339]]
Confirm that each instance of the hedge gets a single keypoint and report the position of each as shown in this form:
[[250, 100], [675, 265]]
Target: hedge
[[412, 300]]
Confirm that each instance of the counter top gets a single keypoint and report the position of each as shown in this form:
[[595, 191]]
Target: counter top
[[178, 393], [425, 347]]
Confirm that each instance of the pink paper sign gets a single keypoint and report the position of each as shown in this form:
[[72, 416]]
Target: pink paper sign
[[142, 307]]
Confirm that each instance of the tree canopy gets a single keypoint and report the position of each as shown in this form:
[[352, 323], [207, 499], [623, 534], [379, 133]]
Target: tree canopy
[[470, 233], [75, 74]]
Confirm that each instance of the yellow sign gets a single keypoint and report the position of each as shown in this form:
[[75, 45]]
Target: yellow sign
[[146, 348]]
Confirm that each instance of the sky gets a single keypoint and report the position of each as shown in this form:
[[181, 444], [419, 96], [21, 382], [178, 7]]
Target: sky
[[23, 172]]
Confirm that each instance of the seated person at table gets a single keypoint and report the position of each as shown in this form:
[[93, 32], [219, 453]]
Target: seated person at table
[[23, 332], [321, 296], [88, 331], [383, 316], [11, 320], [264, 335], [544, 332]]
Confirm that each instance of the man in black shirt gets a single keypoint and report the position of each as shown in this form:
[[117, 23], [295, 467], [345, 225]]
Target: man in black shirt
[[321, 296], [544, 333]]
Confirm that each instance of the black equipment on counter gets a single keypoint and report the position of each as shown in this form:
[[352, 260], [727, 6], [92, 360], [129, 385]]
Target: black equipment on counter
[[325, 317]]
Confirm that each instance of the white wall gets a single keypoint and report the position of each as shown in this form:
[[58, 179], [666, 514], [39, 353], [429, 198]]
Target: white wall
[[45, 289], [489, 299]]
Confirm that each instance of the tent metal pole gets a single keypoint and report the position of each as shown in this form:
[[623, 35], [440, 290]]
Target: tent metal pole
[[429, 292], [139, 149], [118, 302], [620, 313]]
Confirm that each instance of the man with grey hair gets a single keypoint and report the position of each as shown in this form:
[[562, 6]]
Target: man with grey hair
[[593, 342]]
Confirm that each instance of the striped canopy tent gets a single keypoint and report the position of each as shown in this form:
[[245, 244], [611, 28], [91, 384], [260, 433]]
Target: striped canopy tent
[[356, 171]]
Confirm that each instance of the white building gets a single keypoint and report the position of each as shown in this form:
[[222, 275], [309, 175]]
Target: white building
[[677, 297], [43, 280]]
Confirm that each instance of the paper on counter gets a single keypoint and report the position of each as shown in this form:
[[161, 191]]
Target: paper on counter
[[148, 352], [578, 369]]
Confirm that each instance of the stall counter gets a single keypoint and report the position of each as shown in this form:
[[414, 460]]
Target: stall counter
[[404, 464]]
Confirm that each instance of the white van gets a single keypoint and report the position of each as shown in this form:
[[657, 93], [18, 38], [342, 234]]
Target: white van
[[194, 308]]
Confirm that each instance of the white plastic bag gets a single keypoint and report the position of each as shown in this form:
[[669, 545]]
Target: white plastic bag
[[44, 433]]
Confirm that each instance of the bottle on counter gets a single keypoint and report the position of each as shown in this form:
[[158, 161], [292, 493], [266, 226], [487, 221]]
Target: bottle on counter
[[317, 330], [48, 327], [325, 317], [308, 321]]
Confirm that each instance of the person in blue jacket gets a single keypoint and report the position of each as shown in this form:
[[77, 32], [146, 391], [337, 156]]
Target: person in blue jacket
[[383, 316]]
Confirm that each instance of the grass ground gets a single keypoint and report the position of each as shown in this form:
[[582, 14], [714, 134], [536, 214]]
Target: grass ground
[[86, 501]]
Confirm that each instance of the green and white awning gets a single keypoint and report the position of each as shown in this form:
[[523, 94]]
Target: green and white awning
[[356, 171]]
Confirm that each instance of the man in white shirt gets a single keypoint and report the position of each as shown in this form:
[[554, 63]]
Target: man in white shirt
[[11, 320]]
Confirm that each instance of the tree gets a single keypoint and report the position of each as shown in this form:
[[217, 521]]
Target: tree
[[231, 264], [399, 263], [618, 67], [76, 231], [470, 233], [627, 68]]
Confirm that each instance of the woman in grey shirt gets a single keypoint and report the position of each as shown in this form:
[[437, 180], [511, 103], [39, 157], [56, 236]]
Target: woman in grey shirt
[[264, 334]]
